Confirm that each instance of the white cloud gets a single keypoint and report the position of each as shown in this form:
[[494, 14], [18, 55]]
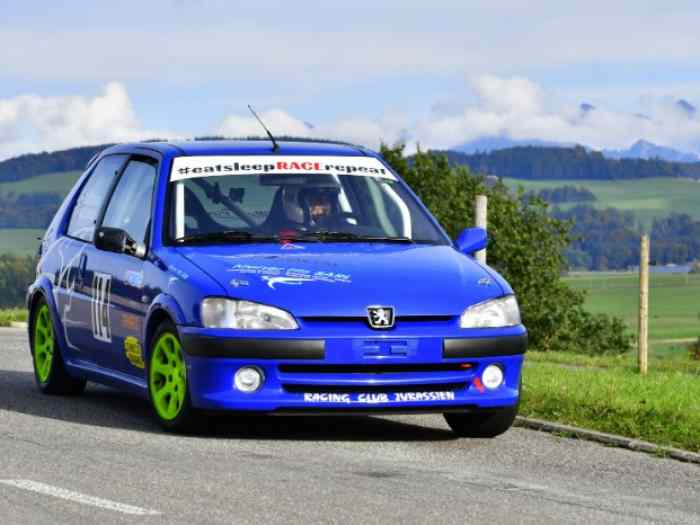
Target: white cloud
[[519, 109], [513, 107], [359, 130], [277, 120], [30, 123]]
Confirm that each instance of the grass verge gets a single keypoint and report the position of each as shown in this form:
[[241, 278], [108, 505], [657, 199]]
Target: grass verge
[[658, 362], [660, 408], [10, 315]]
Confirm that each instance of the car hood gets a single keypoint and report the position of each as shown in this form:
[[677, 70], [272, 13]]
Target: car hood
[[341, 280]]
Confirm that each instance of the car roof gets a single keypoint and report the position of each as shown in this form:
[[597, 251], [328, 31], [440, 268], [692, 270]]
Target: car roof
[[240, 147]]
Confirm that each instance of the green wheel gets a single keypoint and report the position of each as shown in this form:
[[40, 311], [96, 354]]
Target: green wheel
[[43, 344], [49, 368], [167, 380]]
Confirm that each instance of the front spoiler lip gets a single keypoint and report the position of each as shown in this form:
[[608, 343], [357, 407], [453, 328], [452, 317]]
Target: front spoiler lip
[[362, 411], [267, 348]]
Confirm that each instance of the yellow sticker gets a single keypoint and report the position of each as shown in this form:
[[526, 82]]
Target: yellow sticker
[[134, 353]]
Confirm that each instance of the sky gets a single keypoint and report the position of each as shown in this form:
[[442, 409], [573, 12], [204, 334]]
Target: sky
[[435, 74]]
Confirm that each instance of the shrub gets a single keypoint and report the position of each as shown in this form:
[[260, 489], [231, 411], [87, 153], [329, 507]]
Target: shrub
[[694, 350], [16, 274], [526, 246]]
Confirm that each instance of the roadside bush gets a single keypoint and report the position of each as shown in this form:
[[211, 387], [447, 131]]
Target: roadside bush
[[694, 350], [16, 273], [526, 245]]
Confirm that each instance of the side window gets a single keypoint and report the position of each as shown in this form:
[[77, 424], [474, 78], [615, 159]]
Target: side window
[[130, 206], [89, 204]]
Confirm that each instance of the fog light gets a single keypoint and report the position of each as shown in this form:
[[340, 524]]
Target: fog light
[[248, 379], [492, 377]]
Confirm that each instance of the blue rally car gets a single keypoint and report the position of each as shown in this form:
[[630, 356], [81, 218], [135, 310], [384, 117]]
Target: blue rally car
[[305, 278]]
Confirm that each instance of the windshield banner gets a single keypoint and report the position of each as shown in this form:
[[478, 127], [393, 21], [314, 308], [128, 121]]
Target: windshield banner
[[212, 166]]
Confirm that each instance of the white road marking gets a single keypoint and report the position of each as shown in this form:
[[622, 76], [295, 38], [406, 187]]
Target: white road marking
[[83, 499]]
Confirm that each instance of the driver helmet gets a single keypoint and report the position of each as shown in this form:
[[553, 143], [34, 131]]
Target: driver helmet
[[319, 203]]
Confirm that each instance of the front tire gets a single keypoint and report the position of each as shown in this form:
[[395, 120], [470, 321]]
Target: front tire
[[49, 368], [168, 387], [482, 425]]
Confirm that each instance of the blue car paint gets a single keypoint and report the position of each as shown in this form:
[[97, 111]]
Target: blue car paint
[[432, 284]]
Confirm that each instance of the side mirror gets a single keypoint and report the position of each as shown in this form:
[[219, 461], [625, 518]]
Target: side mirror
[[117, 241], [472, 240]]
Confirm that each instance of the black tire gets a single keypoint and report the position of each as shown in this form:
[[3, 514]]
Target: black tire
[[187, 419], [482, 425], [58, 381]]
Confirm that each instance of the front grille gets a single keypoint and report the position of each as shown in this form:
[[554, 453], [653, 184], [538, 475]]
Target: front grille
[[404, 320], [370, 389], [374, 368]]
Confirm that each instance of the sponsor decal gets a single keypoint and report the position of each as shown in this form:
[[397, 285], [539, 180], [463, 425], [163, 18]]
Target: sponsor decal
[[212, 166], [182, 275], [291, 246], [274, 275], [237, 283], [484, 281], [380, 317], [135, 279], [378, 398], [101, 291], [274, 281], [67, 269], [130, 322], [134, 352]]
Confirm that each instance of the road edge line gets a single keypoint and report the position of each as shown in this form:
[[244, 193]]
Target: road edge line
[[608, 439]]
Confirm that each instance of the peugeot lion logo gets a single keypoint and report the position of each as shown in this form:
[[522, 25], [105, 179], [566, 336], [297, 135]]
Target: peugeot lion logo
[[380, 316]]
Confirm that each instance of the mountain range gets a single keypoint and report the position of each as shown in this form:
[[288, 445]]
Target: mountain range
[[641, 149]]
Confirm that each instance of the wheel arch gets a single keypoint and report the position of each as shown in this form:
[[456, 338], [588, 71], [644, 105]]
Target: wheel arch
[[44, 290], [164, 308]]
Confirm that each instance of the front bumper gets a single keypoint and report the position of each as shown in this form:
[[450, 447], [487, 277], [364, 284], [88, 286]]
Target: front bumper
[[377, 373]]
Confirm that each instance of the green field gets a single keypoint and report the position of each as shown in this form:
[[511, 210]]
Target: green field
[[23, 241], [51, 182], [647, 198], [674, 309], [20, 241]]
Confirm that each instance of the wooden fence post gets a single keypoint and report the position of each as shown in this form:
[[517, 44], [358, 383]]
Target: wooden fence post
[[643, 349], [481, 221]]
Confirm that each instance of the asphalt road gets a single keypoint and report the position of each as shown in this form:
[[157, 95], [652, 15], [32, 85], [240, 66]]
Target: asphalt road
[[100, 458]]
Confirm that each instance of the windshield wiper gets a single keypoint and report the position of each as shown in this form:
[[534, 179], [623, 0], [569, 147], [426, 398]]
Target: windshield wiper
[[352, 237], [223, 236]]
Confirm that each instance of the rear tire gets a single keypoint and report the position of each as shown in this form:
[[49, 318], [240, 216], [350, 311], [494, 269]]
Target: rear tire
[[49, 368], [168, 387], [482, 425]]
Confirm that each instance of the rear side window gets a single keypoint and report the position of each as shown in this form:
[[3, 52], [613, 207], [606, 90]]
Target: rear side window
[[92, 197], [129, 208]]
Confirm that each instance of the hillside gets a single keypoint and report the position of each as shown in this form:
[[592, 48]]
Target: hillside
[[621, 196], [31, 165], [647, 199], [577, 163]]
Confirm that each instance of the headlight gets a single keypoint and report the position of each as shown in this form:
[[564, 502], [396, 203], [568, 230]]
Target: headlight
[[495, 313], [244, 315]]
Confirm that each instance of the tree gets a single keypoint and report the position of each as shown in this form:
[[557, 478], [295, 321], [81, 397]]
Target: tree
[[526, 246]]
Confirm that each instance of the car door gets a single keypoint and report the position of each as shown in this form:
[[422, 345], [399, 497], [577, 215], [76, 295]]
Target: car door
[[73, 292], [120, 295]]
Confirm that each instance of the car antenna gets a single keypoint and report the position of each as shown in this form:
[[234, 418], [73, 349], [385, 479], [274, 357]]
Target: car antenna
[[275, 146]]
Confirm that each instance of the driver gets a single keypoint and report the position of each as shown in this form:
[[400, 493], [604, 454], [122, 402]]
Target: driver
[[320, 204]]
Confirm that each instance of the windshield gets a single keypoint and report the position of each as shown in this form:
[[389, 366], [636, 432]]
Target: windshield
[[315, 199]]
